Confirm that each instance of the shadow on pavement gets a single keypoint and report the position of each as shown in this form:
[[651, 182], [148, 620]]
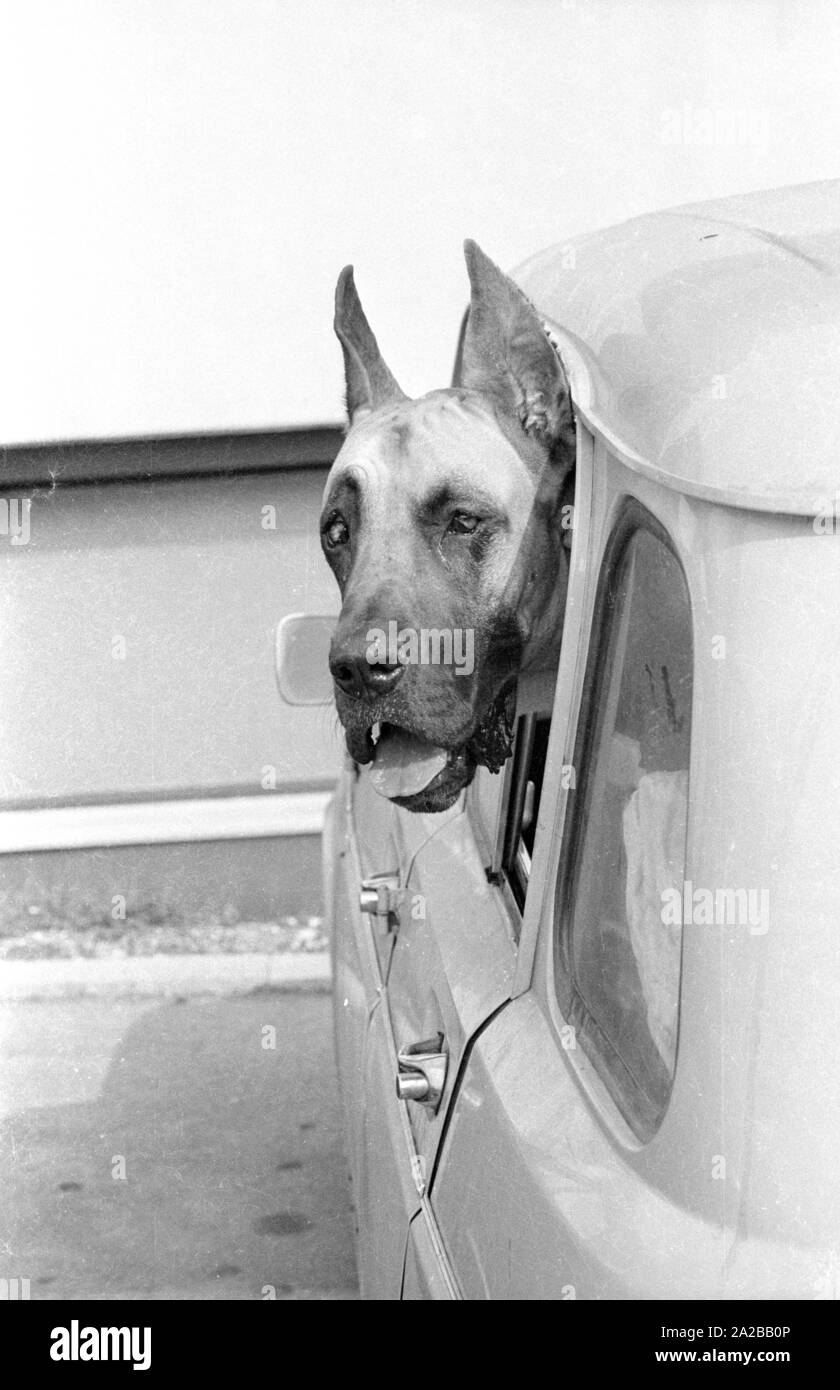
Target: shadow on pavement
[[180, 1150]]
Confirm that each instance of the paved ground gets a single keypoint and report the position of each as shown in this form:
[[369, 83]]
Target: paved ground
[[160, 977], [164, 1149]]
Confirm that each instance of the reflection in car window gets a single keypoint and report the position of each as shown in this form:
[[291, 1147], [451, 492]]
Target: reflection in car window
[[618, 963]]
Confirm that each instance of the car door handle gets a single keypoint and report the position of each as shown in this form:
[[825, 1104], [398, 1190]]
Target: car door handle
[[422, 1071], [380, 896]]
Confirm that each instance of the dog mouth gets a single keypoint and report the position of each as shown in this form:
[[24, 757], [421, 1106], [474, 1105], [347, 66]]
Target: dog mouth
[[421, 775], [403, 764]]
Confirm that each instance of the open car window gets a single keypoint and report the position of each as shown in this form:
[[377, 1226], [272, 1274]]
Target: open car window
[[505, 810], [530, 749], [623, 865]]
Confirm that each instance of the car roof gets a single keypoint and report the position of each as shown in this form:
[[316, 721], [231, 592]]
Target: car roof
[[704, 342]]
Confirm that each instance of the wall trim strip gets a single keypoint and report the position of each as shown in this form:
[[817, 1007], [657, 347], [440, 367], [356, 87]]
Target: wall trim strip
[[167, 457], [163, 822]]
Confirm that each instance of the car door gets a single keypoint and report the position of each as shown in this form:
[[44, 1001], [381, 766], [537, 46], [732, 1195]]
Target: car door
[[363, 866], [454, 955], [403, 977]]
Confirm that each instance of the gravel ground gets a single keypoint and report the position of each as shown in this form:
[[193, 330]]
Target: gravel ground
[[50, 928]]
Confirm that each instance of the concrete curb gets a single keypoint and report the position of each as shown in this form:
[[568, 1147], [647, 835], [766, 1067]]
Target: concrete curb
[[166, 976]]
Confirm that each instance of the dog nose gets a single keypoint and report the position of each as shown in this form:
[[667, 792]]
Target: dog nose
[[355, 675]]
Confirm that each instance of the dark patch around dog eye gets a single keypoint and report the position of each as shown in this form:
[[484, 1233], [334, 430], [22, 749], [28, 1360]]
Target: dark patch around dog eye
[[479, 544], [450, 498], [345, 494], [463, 524], [439, 500], [336, 531], [343, 504]]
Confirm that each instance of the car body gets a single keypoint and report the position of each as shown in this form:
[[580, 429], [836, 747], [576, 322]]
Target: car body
[[619, 960]]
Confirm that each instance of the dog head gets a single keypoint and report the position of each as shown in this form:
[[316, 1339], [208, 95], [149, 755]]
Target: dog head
[[442, 522]]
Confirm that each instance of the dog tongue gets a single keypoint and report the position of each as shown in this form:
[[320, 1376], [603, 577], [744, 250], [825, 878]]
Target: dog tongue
[[403, 764]]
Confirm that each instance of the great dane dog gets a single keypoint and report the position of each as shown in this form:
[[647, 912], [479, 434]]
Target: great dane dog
[[444, 522]]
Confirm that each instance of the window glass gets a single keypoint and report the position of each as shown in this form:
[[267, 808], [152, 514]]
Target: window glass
[[483, 800], [619, 956]]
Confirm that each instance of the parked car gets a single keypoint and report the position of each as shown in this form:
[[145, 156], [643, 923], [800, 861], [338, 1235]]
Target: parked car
[[586, 1021]]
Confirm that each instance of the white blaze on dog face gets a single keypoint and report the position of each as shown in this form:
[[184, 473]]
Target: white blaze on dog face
[[415, 467]]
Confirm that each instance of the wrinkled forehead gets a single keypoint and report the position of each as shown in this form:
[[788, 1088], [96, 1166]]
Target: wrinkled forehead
[[441, 445]]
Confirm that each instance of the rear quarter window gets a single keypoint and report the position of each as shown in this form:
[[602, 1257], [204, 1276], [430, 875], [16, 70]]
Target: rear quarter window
[[618, 954]]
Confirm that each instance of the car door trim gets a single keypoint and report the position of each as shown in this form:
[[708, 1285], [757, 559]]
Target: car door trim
[[564, 717]]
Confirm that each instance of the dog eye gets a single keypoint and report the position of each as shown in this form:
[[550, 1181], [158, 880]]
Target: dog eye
[[337, 533], [462, 524]]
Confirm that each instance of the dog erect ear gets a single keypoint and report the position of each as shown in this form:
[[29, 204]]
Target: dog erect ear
[[369, 382], [507, 356]]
